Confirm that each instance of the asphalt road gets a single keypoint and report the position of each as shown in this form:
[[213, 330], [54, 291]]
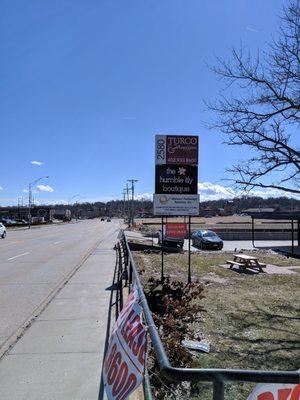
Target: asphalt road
[[34, 262]]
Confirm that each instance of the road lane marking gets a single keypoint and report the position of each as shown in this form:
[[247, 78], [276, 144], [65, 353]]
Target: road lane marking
[[59, 241], [10, 342], [14, 242], [19, 255]]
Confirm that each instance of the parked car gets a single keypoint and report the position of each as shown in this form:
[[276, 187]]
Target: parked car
[[102, 219], [8, 221], [21, 221], [207, 240], [108, 220], [170, 241], [2, 230]]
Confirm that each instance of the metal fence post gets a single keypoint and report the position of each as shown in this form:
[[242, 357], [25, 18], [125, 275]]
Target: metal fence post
[[130, 276], [117, 283], [218, 390], [120, 277]]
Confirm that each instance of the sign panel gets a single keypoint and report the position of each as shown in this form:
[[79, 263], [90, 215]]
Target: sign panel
[[160, 149], [176, 205], [176, 149], [176, 230], [124, 362], [130, 302], [176, 179], [276, 391]]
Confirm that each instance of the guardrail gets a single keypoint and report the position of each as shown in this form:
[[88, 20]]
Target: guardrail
[[129, 274]]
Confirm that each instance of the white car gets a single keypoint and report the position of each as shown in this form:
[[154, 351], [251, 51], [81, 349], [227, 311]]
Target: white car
[[2, 231]]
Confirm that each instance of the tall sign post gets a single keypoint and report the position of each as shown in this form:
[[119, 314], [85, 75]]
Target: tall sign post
[[176, 181]]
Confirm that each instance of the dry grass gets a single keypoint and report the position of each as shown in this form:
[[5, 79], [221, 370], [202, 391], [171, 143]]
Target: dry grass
[[228, 222], [252, 321]]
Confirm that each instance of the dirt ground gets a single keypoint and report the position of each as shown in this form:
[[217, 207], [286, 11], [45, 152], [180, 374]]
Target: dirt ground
[[233, 221], [251, 321]]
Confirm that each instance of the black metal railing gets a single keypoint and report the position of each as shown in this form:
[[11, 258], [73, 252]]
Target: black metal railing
[[128, 274]]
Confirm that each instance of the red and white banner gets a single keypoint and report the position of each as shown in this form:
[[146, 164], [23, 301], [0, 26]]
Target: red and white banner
[[176, 230], [131, 299], [125, 359], [270, 391]]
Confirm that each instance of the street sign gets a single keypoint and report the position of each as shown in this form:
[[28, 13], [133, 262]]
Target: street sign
[[176, 230], [176, 205], [176, 179], [125, 359], [275, 391], [176, 149]]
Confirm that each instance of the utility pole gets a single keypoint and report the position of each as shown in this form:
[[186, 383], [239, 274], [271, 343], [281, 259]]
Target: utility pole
[[19, 214], [133, 181], [29, 205], [128, 210], [124, 203]]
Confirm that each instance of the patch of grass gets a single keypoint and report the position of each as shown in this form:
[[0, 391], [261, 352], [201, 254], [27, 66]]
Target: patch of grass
[[251, 321]]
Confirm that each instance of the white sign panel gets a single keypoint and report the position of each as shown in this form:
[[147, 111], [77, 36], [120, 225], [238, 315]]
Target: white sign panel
[[125, 359], [176, 205], [160, 149], [276, 391]]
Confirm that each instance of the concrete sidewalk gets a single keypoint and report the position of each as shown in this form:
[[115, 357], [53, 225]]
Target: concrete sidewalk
[[60, 356]]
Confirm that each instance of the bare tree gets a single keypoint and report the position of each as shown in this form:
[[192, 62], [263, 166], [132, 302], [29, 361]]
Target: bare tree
[[265, 115]]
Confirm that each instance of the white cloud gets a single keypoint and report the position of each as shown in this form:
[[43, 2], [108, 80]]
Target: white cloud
[[1, 188], [45, 188], [251, 29], [37, 162], [144, 196], [8, 201], [26, 191], [211, 191], [53, 202]]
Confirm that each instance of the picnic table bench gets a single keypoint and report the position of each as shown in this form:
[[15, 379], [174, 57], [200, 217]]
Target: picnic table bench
[[244, 261]]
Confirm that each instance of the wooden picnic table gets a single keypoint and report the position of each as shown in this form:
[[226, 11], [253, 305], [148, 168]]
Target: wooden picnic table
[[244, 261]]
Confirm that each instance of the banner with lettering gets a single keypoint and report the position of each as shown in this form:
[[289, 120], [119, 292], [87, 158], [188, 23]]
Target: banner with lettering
[[275, 391], [125, 359]]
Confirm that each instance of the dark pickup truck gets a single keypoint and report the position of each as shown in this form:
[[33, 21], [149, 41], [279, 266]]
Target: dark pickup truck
[[170, 241]]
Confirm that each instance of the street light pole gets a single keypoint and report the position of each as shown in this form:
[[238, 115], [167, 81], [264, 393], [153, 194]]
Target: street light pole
[[69, 203], [73, 197], [30, 186]]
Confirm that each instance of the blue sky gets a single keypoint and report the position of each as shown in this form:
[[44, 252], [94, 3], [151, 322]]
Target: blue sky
[[86, 84]]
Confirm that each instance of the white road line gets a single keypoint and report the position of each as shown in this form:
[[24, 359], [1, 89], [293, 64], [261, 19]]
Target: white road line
[[59, 241], [20, 255]]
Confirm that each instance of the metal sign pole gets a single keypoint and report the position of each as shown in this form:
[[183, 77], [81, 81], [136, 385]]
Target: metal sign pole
[[189, 273], [162, 249]]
